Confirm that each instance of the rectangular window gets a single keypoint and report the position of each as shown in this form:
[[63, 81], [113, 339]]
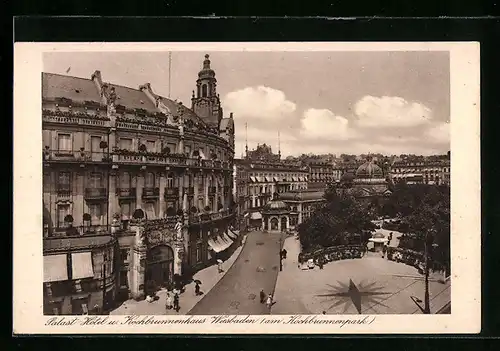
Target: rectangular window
[[95, 211], [64, 181], [62, 212], [170, 180], [64, 142], [187, 150], [126, 144], [150, 210], [95, 144], [151, 146], [124, 255], [96, 180], [172, 147], [125, 208]]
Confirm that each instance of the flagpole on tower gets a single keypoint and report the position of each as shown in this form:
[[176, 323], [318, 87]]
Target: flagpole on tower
[[246, 139], [169, 72]]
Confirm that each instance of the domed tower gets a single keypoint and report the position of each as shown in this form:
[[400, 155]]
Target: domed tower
[[206, 102]]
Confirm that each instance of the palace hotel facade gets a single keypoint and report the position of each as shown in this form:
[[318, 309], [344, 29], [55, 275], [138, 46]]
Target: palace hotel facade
[[137, 189]]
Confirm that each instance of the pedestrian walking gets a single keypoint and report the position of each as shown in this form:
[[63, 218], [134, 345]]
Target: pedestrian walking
[[168, 302], [176, 303], [262, 296], [197, 289], [269, 302], [219, 266], [284, 252], [384, 250]]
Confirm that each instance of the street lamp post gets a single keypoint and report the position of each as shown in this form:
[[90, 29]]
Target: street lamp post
[[429, 238], [281, 257]]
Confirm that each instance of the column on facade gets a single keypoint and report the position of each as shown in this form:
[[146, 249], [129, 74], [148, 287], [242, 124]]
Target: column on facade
[[287, 222], [138, 189], [163, 185], [217, 190], [206, 184], [252, 194], [113, 206], [78, 192], [279, 223], [181, 189], [299, 207]]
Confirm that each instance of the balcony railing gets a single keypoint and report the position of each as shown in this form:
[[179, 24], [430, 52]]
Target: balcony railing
[[63, 193], [126, 192], [207, 217], [74, 156], [151, 192], [96, 193], [171, 192], [68, 231]]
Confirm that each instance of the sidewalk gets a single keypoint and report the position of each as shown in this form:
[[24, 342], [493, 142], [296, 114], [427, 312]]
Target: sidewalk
[[287, 291], [209, 277]]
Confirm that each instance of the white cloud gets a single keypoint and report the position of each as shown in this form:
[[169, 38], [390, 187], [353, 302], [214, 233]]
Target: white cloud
[[324, 124], [390, 111], [258, 102], [439, 133]]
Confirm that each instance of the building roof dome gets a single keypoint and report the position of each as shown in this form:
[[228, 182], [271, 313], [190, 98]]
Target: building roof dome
[[207, 71], [275, 205], [369, 170]]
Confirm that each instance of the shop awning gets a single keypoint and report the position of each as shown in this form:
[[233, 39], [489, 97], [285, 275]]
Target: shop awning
[[213, 245], [260, 179], [232, 234], [82, 265], [55, 268], [253, 179], [256, 215], [294, 179], [269, 179], [228, 239], [275, 179]]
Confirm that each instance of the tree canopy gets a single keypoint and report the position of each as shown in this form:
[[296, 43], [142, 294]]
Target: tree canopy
[[342, 219]]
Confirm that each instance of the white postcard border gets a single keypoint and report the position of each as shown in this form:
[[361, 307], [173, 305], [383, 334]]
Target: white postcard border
[[465, 314]]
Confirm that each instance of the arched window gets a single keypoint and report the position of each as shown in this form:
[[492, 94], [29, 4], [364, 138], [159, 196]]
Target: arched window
[[204, 90]]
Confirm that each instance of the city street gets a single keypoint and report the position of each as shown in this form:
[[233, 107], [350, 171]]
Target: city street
[[237, 292]]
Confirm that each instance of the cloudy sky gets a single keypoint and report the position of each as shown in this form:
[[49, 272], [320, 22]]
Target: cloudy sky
[[320, 102]]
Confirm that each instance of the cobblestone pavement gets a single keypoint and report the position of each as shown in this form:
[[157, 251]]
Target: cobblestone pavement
[[209, 278], [237, 292], [387, 287]]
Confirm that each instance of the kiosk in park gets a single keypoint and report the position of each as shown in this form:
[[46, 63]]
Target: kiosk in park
[[276, 215]]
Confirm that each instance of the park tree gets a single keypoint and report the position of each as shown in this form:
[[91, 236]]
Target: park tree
[[340, 218], [430, 223]]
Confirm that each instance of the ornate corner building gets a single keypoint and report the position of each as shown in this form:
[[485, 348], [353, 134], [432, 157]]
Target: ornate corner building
[[137, 189]]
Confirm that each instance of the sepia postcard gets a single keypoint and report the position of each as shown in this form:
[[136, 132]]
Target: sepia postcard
[[260, 188]]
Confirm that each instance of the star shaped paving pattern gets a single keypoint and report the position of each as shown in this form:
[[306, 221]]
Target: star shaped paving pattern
[[360, 296]]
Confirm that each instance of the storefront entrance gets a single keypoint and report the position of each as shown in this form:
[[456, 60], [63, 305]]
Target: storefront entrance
[[160, 266]]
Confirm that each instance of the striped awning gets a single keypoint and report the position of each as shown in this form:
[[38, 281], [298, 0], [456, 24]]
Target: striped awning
[[275, 179], [82, 265], [253, 179], [55, 268]]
